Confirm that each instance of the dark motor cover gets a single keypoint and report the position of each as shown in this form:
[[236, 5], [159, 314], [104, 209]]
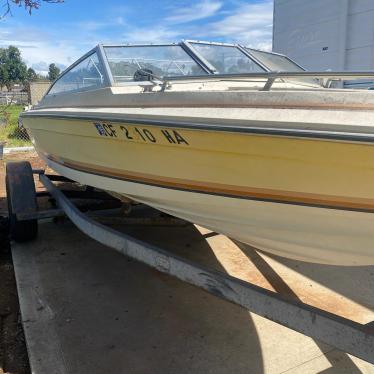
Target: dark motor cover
[[143, 75]]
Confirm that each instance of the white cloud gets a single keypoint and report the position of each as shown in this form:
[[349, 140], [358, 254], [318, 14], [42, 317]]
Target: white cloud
[[238, 21], [59, 53], [156, 34], [37, 45], [91, 25], [120, 21], [40, 66], [249, 24], [195, 12]]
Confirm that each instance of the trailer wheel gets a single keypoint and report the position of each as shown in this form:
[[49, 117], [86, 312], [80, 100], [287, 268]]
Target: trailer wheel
[[21, 198]]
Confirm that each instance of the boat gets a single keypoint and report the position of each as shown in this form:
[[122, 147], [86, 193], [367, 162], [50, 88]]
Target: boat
[[243, 142]]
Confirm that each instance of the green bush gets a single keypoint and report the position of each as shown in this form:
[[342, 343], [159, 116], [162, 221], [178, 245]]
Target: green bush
[[10, 133]]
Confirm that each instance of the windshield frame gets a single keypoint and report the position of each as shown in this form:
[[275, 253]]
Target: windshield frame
[[248, 49], [186, 45], [212, 68], [107, 82]]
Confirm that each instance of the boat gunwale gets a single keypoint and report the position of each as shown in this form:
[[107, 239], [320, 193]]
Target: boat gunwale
[[199, 125]]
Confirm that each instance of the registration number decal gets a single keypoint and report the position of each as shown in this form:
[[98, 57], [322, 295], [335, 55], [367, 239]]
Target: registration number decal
[[141, 134]]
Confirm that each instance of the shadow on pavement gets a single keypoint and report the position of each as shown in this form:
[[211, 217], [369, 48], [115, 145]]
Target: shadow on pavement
[[336, 358]]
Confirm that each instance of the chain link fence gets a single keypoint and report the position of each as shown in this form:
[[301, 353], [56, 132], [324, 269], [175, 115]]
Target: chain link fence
[[11, 105], [14, 98], [19, 133]]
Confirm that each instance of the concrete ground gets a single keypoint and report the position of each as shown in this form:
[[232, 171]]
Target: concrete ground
[[88, 309], [13, 353]]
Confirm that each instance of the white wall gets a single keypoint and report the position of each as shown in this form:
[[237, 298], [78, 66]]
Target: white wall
[[326, 34]]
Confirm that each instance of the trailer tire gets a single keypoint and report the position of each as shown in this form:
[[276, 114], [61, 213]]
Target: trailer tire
[[21, 198]]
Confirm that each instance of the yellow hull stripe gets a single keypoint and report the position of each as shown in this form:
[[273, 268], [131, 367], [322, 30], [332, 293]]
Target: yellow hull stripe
[[290, 197]]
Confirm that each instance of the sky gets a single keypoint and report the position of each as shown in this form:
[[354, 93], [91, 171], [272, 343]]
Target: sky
[[61, 33]]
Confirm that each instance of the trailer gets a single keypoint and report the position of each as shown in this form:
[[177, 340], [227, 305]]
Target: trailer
[[342, 333]]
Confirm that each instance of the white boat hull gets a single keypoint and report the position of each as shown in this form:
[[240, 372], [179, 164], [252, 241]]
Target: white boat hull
[[313, 234]]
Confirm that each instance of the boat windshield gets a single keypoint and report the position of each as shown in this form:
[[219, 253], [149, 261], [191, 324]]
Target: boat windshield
[[129, 63], [87, 74], [227, 59], [274, 61]]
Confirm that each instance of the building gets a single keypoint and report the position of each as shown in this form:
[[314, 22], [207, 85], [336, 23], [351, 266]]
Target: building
[[325, 34]]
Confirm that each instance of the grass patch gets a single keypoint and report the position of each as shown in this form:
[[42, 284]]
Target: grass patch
[[10, 133]]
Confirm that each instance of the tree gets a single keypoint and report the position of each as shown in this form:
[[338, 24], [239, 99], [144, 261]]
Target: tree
[[3, 76], [13, 69], [29, 5], [41, 77], [53, 72], [31, 75]]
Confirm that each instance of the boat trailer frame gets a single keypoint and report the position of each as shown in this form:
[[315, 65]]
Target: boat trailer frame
[[344, 334]]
